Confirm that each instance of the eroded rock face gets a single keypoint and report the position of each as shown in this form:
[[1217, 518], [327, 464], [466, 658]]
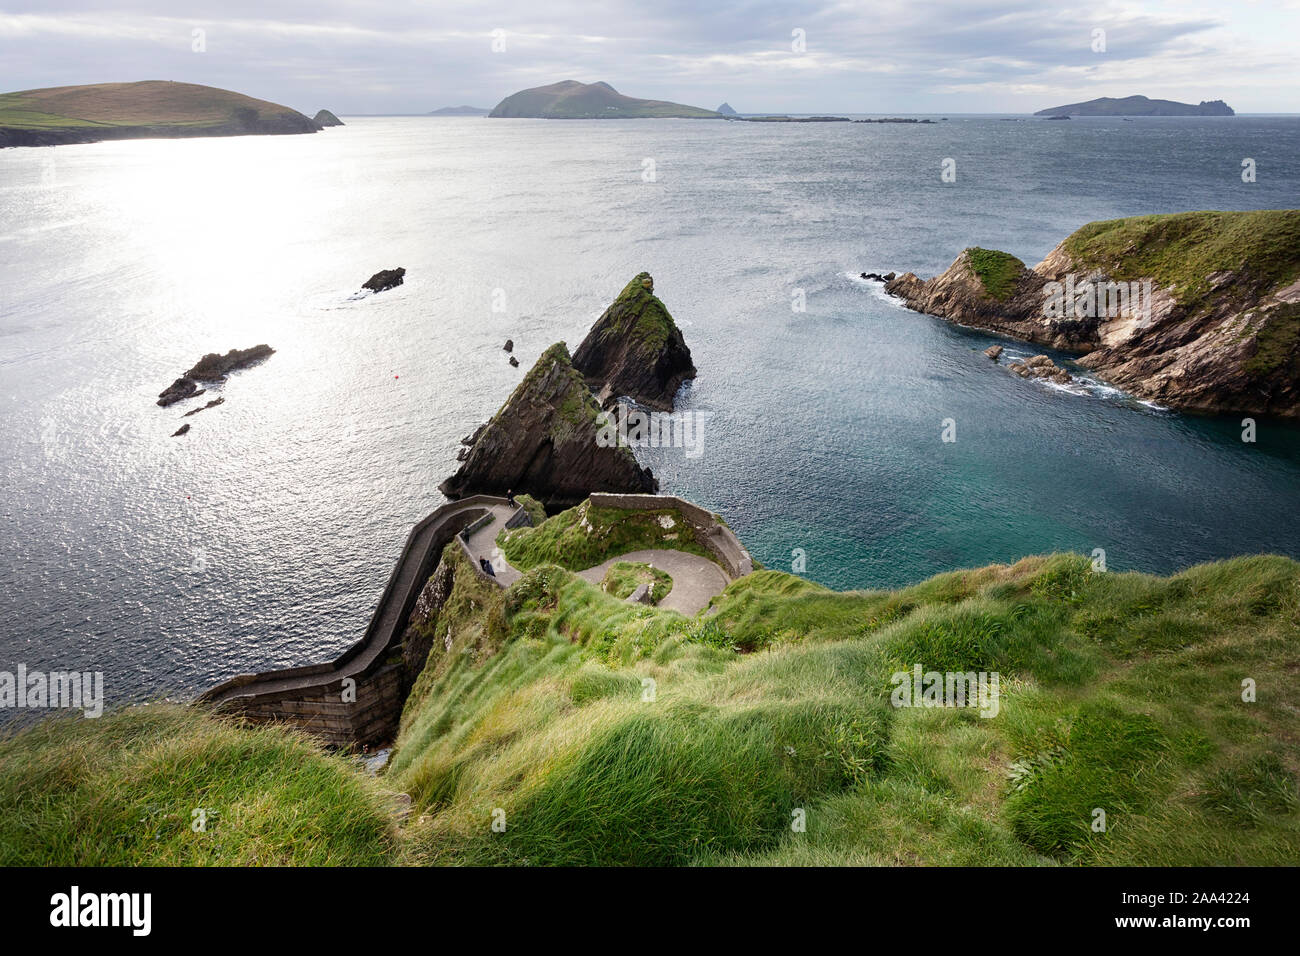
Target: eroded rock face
[[635, 349], [1227, 341], [543, 442], [385, 279], [420, 635]]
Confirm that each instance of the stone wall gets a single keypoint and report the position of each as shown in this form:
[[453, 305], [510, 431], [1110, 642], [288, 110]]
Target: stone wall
[[711, 530], [312, 697]]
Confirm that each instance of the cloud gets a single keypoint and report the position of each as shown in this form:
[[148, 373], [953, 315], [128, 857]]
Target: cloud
[[998, 55]]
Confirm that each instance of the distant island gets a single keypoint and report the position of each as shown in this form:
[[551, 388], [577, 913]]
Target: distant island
[[570, 99], [1139, 106], [153, 108], [460, 111], [326, 118], [726, 110]]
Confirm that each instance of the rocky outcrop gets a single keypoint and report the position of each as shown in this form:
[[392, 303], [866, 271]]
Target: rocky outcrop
[[636, 350], [994, 352], [326, 118], [1198, 312], [419, 636], [385, 279], [211, 368], [1040, 366], [544, 442]]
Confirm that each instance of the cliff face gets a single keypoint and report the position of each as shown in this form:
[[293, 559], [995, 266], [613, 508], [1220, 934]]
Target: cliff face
[[636, 349], [543, 443], [1196, 311]]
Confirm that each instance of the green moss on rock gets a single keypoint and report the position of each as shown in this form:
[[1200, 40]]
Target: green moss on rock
[[998, 271]]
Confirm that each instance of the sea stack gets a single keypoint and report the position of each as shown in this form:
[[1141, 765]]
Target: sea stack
[[326, 118], [543, 442], [636, 350]]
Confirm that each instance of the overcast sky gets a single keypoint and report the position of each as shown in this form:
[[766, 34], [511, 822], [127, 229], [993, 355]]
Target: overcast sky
[[404, 56]]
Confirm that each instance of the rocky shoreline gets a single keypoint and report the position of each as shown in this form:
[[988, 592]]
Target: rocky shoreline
[[1198, 312]]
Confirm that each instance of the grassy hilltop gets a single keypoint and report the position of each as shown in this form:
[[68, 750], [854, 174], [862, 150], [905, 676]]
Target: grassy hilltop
[[83, 114], [623, 734]]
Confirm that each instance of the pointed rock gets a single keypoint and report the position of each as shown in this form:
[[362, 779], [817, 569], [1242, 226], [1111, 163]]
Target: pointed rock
[[544, 442], [636, 349]]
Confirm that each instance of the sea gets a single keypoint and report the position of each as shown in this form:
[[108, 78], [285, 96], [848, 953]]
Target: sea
[[264, 536]]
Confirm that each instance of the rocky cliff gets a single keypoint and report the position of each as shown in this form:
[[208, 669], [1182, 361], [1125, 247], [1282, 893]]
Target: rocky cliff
[[635, 349], [1196, 311], [543, 442]]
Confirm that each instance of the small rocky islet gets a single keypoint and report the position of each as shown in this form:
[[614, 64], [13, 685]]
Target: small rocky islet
[[212, 369]]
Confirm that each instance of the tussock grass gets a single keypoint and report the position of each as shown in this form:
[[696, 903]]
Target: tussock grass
[[121, 790], [600, 733], [585, 536]]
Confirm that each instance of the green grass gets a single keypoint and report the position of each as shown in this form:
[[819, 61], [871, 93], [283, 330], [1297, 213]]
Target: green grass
[[624, 577], [1119, 692], [607, 733], [1277, 344], [585, 536], [535, 509], [998, 271], [121, 790], [1183, 250]]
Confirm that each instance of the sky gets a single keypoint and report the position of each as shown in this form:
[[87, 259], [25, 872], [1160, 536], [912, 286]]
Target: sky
[[923, 56]]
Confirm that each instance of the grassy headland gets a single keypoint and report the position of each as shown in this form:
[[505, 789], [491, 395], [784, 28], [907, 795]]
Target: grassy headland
[[85, 114], [603, 732]]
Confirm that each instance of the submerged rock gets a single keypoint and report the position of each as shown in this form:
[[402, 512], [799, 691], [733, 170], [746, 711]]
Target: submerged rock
[[543, 442], [636, 349], [385, 279], [211, 404], [1040, 366]]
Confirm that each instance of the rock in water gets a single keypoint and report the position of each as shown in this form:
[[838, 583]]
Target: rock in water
[[635, 349], [182, 430], [385, 279], [543, 442], [514, 362], [994, 352], [326, 118], [179, 390], [214, 368], [510, 345], [1040, 366]]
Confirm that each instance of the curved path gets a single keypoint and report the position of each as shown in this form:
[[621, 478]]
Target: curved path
[[696, 579], [357, 698]]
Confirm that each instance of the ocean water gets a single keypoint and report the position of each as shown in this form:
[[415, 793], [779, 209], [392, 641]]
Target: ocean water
[[264, 537]]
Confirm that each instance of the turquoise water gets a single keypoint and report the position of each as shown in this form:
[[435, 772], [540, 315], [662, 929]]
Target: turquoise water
[[264, 537]]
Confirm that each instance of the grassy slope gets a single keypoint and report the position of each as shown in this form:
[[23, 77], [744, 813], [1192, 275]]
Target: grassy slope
[[653, 323], [120, 791], [584, 536], [149, 103], [624, 577], [1184, 249], [1119, 691], [998, 271]]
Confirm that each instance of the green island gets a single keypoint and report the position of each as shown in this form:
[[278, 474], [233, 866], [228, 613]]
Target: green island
[[605, 732], [570, 99], [152, 108]]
